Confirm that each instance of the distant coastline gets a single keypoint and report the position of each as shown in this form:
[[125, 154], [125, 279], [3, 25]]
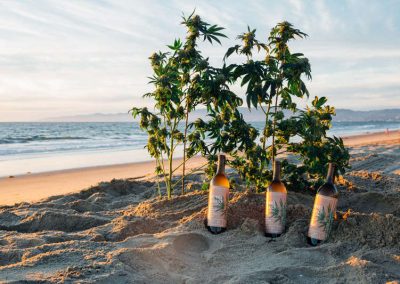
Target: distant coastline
[[342, 115]]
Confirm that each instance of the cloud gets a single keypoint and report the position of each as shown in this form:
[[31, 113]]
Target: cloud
[[66, 57]]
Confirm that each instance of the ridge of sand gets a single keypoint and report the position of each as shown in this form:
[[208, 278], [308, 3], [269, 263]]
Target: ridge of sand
[[121, 232]]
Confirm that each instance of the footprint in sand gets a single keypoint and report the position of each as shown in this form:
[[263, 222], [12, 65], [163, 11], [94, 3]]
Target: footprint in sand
[[190, 243]]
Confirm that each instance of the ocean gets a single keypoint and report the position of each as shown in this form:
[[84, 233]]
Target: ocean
[[32, 147]]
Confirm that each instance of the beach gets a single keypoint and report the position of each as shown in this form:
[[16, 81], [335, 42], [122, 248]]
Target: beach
[[33, 187], [107, 225], [200, 142]]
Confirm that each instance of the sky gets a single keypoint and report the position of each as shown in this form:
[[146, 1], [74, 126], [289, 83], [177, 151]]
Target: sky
[[63, 58]]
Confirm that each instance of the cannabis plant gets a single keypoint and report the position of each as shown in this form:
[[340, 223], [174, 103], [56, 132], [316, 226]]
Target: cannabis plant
[[183, 80], [224, 128], [272, 85]]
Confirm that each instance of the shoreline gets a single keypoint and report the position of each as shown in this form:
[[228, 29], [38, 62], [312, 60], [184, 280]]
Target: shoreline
[[35, 163], [37, 186], [372, 138]]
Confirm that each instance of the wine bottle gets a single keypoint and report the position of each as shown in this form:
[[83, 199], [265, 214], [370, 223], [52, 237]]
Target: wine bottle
[[275, 206], [324, 210], [218, 200]]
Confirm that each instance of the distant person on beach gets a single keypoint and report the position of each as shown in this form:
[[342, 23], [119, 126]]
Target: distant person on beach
[[387, 131]]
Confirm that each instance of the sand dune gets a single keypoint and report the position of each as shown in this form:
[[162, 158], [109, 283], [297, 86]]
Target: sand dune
[[122, 232]]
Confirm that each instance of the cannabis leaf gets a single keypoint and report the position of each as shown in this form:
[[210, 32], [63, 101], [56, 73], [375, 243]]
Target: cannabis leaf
[[220, 205], [283, 212], [279, 212], [325, 220]]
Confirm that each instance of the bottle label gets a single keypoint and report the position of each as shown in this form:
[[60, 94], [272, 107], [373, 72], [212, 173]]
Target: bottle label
[[322, 217], [275, 212], [217, 206]]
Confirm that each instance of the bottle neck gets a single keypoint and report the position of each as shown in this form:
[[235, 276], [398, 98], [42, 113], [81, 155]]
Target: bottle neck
[[221, 164], [330, 177], [277, 171]]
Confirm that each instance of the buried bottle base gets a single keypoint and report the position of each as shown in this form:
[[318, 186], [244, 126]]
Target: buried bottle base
[[313, 242], [272, 236], [214, 230]]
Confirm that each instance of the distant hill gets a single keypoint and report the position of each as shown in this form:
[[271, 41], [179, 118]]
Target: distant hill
[[370, 115], [94, 117], [254, 115]]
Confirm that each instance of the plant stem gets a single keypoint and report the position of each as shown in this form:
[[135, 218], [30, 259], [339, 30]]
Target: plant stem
[[158, 181], [273, 127], [192, 171], [162, 158], [184, 146], [162, 165], [177, 167], [169, 188], [266, 125], [170, 158]]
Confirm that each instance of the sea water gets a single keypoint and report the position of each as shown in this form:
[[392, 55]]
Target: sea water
[[47, 146]]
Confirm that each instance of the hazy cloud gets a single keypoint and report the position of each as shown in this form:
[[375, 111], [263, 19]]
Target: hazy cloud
[[74, 57]]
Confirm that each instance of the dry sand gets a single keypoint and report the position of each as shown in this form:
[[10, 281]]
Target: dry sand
[[121, 232], [34, 187], [392, 137]]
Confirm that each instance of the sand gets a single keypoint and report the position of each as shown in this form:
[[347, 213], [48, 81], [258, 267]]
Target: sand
[[122, 232], [34, 187], [391, 137]]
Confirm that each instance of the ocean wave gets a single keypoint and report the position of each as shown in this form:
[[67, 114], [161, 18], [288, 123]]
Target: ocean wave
[[21, 140]]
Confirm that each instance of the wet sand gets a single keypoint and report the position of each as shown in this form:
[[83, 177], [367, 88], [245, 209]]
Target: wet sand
[[34, 187]]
